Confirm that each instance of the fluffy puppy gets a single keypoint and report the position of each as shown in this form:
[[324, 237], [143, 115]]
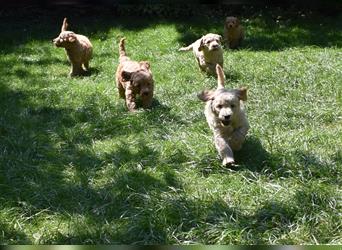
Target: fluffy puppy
[[78, 48], [233, 32], [208, 52], [134, 78], [226, 117]]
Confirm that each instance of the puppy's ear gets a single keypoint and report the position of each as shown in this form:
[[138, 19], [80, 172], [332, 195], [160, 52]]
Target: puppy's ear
[[242, 93], [206, 95], [126, 76], [237, 22], [145, 65], [200, 48], [220, 38], [64, 25], [71, 38]]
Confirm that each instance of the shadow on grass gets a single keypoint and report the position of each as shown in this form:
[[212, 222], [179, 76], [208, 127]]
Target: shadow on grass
[[47, 164], [271, 29]]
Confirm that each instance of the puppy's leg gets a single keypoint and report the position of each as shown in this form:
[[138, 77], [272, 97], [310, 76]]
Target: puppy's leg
[[86, 65], [187, 48], [147, 101], [121, 90], [224, 150], [238, 138], [76, 69], [130, 98]]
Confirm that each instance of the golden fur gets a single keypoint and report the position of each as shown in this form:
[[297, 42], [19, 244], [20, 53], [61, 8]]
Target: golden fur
[[78, 48], [226, 117], [208, 52], [233, 32], [134, 78]]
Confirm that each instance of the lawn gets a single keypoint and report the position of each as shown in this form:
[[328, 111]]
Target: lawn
[[77, 168]]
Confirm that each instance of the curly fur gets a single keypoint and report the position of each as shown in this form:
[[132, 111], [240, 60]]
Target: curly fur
[[134, 78], [208, 52], [78, 48], [233, 32], [226, 117]]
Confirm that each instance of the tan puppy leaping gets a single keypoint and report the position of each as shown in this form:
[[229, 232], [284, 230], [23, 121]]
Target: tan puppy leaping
[[208, 52], [78, 48], [134, 78], [226, 117]]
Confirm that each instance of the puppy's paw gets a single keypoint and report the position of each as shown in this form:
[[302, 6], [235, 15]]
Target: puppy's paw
[[183, 49], [228, 162]]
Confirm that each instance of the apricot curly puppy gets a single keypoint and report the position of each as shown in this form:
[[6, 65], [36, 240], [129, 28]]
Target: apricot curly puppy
[[226, 117], [78, 48], [134, 78], [208, 52], [233, 32]]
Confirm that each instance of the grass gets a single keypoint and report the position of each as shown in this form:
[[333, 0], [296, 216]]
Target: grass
[[77, 168]]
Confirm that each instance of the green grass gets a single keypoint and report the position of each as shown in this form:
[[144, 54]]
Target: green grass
[[77, 168]]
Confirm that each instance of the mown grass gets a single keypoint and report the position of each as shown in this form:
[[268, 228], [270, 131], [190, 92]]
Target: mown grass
[[77, 168]]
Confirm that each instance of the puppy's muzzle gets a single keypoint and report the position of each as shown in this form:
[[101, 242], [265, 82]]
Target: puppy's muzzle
[[226, 120], [215, 47], [57, 41]]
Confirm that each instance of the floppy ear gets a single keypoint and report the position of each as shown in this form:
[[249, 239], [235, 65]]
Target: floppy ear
[[71, 38], [145, 65], [242, 93], [220, 38], [200, 48], [237, 21], [64, 25], [206, 95], [126, 76]]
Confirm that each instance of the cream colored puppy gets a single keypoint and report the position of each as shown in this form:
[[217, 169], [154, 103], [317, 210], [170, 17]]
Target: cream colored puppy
[[233, 32], [78, 48], [226, 117], [208, 52]]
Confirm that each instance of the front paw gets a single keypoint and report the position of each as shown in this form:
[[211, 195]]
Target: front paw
[[132, 107], [228, 162]]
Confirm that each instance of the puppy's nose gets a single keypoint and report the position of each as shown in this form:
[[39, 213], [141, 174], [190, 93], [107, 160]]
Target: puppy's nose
[[227, 117]]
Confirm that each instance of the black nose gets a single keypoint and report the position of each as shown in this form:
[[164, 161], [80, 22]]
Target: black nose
[[227, 117]]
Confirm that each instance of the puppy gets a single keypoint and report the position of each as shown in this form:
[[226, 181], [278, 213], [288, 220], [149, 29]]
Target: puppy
[[233, 32], [78, 48], [134, 78], [208, 52], [226, 117]]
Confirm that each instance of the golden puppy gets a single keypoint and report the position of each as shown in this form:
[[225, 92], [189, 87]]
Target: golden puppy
[[134, 78], [233, 32], [78, 48], [208, 52], [226, 117]]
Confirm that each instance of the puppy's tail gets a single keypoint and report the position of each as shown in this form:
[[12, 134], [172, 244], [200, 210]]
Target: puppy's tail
[[220, 77], [122, 50], [186, 48], [64, 25]]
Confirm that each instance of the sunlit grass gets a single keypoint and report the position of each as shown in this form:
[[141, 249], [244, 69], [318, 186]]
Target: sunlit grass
[[77, 168]]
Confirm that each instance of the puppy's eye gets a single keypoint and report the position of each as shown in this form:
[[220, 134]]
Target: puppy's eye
[[232, 106], [219, 106]]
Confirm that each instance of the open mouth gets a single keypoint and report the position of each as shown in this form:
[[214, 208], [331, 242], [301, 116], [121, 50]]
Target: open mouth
[[225, 123]]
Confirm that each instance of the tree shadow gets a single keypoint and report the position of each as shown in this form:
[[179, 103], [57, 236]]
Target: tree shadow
[[273, 28]]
